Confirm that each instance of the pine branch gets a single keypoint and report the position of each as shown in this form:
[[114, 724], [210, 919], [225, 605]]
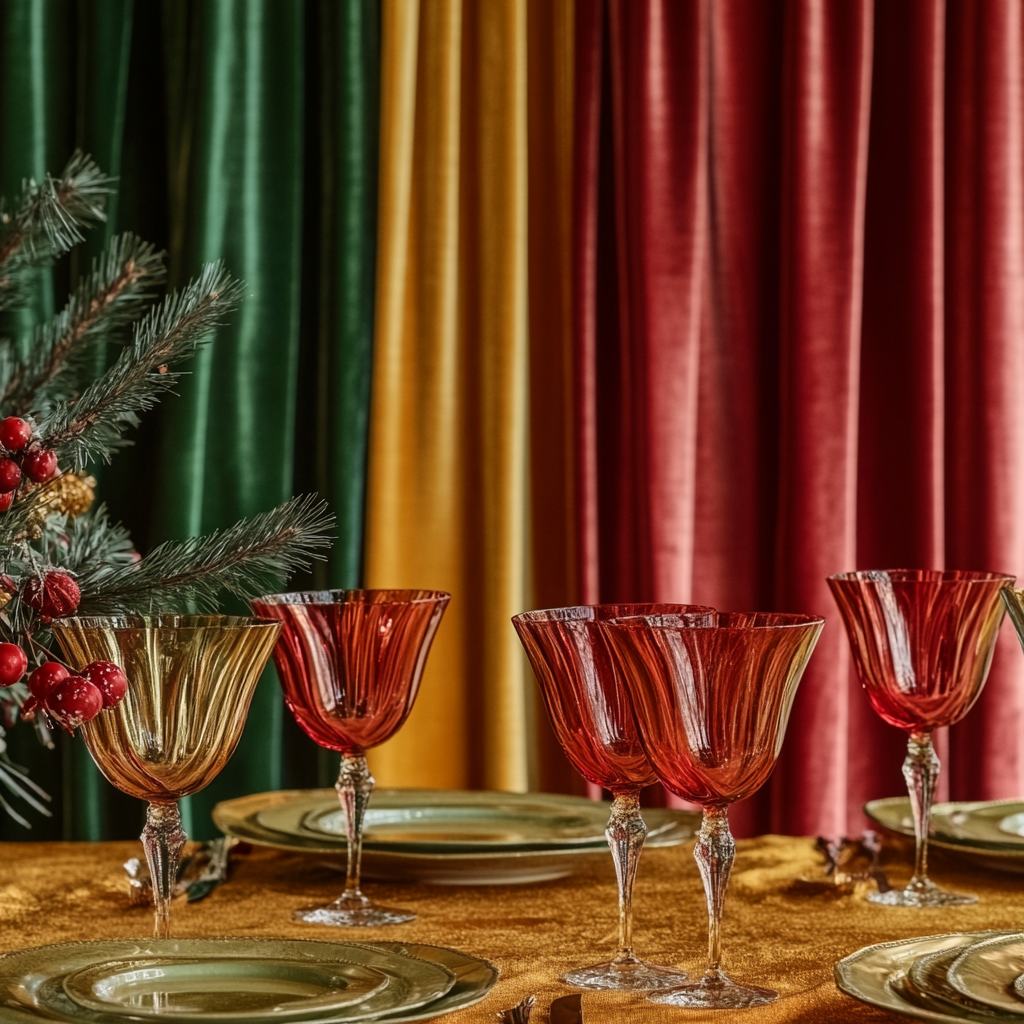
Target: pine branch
[[90, 427], [250, 558], [112, 296], [49, 220], [94, 543]]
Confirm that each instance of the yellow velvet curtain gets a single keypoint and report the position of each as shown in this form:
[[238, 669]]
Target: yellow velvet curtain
[[448, 488]]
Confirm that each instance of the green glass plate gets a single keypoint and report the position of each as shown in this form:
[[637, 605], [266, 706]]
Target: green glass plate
[[986, 973], [971, 830], [878, 975], [32, 981], [224, 990], [240, 818], [474, 978], [442, 821], [927, 984]]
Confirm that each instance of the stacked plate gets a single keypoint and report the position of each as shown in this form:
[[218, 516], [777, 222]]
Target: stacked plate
[[977, 976], [447, 837], [987, 833], [237, 981]]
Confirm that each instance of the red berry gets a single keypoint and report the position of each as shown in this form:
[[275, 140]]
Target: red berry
[[10, 475], [74, 701], [6, 500], [108, 679], [54, 595], [46, 679], [7, 585], [14, 433], [12, 664], [39, 465]]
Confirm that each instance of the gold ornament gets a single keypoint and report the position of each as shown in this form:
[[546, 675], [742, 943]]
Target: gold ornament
[[69, 494]]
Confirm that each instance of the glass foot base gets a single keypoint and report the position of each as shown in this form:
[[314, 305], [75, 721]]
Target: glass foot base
[[715, 993], [625, 976], [921, 893], [353, 913]]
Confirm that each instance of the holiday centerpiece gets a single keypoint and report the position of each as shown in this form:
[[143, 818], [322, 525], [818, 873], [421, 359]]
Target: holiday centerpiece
[[59, 555]]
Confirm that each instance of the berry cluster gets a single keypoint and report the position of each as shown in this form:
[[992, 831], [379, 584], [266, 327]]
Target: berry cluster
[[68, 699], [20, 459]]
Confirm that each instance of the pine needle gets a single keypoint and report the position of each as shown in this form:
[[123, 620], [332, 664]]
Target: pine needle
[[90, 427], [113, 295], [49, 219], [250, 558]]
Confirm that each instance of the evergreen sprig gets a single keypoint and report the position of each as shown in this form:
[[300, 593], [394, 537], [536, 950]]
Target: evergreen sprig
[[90, 427], [121, 284], [49, 219], [252, 557]]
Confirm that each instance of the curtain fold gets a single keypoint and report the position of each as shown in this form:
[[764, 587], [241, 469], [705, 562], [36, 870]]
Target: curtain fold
[[446, 490], [239, 135], [817, 313]]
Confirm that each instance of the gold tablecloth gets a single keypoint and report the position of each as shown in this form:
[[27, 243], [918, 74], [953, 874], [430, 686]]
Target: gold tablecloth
[[779, 931]]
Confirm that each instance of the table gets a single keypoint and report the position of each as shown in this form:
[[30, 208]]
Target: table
[[778, 930]]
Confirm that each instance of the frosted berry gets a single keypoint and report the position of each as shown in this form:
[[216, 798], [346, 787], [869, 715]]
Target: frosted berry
[[10, 475], [45, 679], [108, 679], [53, 595], [74, 701], [15, 433], [39, 465], [12, 664]]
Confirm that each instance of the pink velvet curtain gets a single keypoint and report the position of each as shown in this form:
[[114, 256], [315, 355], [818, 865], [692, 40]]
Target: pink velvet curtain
[[798, 318]]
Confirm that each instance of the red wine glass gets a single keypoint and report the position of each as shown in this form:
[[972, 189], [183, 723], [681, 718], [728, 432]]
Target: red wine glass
[[350, 663], [592, 719], [922, 641], [711, 703]]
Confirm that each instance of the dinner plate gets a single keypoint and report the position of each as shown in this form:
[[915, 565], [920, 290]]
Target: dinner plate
[[986, 973], [439, 821], [32, 981], [474, 978], [878, 975], [221, 990], [240, 818], [964, 829], [927, 984]]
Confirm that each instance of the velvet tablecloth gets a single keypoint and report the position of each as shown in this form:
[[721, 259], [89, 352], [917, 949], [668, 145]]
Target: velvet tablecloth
[[783, 928]]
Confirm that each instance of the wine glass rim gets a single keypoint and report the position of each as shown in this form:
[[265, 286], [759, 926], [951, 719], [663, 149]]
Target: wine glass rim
[[354, 596], [553, 614], [904, 575], [165, 620], [792, 620]]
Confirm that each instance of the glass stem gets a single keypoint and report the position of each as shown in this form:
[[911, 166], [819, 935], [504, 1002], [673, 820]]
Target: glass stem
[[921, 769], [163, 839], [354, 786], [626, 833], [714, 852]]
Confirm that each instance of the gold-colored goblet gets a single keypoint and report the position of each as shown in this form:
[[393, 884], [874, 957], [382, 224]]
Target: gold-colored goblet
[[190, 681]]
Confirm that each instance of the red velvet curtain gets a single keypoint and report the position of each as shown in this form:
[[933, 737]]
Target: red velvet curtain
[[798, 252]]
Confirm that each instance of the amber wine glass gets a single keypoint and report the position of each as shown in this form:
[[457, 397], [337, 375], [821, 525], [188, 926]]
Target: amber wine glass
[[190, 681], [922, 641], [350, 664], [711, 704], [591, 716]]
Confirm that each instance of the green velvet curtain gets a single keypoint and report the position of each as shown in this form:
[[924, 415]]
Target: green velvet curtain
[[242, 130]]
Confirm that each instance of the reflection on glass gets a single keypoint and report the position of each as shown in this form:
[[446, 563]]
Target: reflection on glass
[[593, 721], [711, 702], [190, 681], [922, 641], [350, 664]]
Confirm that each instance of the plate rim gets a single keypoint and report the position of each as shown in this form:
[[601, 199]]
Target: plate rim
[[905, 1008], [996, 940]]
